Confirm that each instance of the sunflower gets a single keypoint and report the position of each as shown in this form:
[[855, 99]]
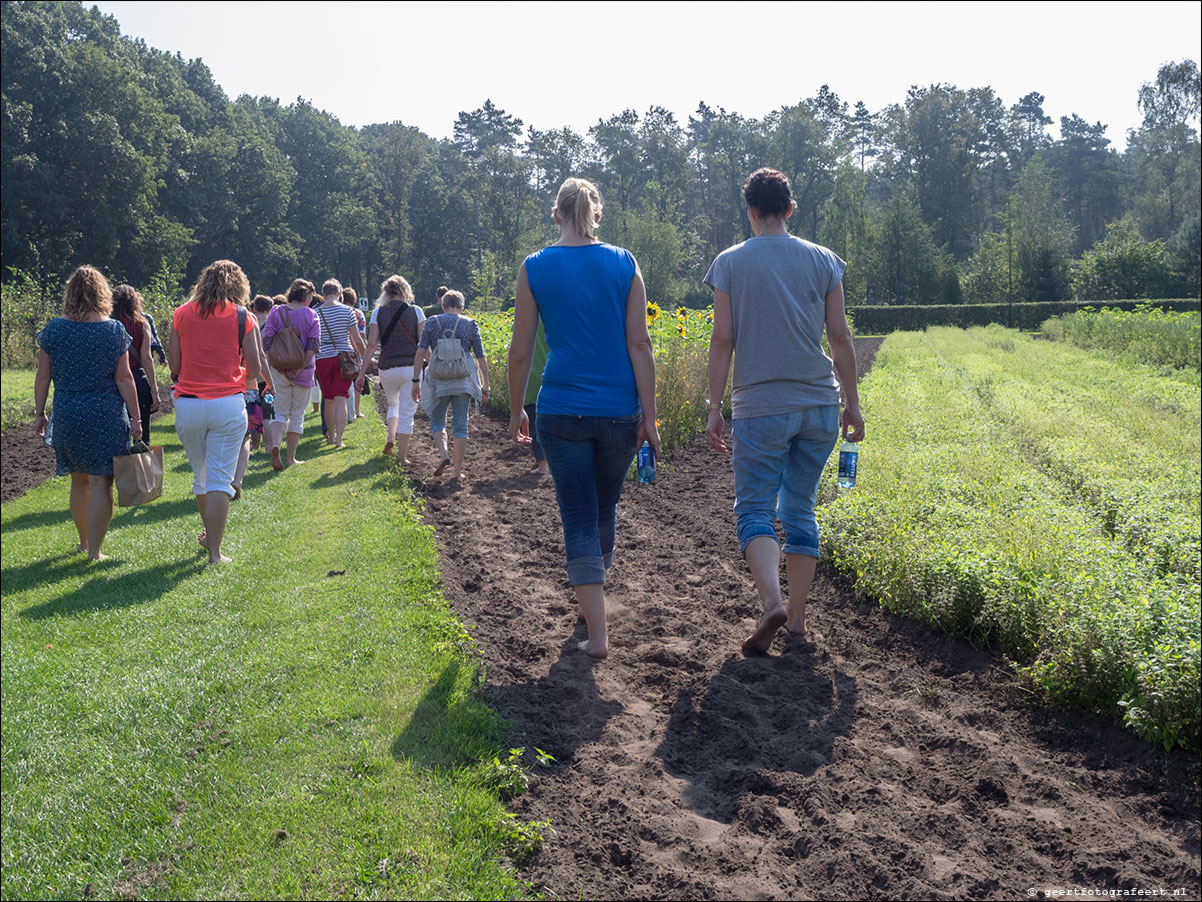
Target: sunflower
[[680, 330], [682, 313], [652, 311]]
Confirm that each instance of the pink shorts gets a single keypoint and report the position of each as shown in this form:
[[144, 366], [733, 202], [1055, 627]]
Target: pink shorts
[[329, 377]]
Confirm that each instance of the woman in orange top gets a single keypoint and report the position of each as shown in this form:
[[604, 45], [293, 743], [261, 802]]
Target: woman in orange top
[[206, 354]]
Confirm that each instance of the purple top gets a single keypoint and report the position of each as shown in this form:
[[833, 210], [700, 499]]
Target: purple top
[[305, 321]]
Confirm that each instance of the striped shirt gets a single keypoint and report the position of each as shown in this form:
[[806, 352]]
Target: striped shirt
[[335, 321]]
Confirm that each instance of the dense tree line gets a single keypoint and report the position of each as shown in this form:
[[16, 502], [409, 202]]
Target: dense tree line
[[134, 159]]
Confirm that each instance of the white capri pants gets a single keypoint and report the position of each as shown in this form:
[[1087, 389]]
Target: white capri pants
[[211, 432], [397, 386], [291, 402]]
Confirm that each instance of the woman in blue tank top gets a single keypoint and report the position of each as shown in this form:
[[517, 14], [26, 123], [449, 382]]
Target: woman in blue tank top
[[597, 401]]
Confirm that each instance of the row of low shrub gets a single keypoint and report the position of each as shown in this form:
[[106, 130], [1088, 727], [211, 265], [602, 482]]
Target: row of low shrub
[[1011, 491], [1026, 317], [1146, 335]]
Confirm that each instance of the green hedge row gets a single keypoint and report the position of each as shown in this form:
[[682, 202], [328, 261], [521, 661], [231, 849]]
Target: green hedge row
[[1026, 317]]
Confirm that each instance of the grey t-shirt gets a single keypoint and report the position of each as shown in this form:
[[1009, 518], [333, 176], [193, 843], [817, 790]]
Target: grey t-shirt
[[778, 286]]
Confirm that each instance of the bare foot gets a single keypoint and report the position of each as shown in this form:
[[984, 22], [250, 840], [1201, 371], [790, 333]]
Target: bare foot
[[599, 651], [339, 444], [98, 556], [276, 463], [82, 546], [220, 559], [442, 465], [202, 539], [292, 461], [761, 637], [388, 449]]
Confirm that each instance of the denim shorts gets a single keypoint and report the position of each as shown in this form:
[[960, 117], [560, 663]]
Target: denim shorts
[[458, 405], [778, 461], [588, 458]]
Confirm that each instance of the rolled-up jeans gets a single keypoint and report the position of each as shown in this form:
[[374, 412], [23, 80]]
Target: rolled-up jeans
[[588, 458], [777, 462]]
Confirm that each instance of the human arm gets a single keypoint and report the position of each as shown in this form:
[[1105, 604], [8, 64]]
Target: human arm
[[250, 351], [642, 357], [156, 346], [373, 339], [521, 354], [175, 357], [148, 365], [41, 391], [129, 394], [722, 346], [419, 360], [354, 336], [843, 353]]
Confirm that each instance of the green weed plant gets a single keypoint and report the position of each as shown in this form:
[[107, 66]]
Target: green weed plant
[[1042, 499], [1146, 334]]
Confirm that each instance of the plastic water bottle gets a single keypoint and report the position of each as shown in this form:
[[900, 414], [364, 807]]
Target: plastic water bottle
[[849, 455], [267, 403], [646, 463]]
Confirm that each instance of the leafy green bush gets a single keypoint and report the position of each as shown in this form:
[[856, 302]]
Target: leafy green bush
[[871, 320], [1147, 334], [1011, 491]]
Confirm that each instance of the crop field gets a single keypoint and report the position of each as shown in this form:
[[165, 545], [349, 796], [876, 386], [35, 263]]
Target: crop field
[[681, 340], [1042, 498], [1151, 335]]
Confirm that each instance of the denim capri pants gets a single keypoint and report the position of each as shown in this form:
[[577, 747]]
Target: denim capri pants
[[438, 416], [588, 458], [778, 461]]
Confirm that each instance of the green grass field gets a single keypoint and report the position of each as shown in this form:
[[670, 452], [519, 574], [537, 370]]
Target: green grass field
[[1041, 498], [300, 723], [16, 397]]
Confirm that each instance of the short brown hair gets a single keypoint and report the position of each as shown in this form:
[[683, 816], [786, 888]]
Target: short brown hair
[[128, 302], [349, 297], [261, 304], [441, 290], [278, 299], [301, 291], [221, 282], [87, 292], [331, 287], [453, 299]]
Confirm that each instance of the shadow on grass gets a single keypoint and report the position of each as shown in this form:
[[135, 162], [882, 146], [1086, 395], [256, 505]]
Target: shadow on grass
[[364, 470], [37, 519], [450, 726], [104, 593]]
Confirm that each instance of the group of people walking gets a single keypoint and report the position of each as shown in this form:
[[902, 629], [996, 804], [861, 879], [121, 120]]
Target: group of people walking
[[580, 307]]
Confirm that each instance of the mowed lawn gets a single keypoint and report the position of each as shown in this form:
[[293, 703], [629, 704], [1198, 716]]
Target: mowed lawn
[[300, 723]]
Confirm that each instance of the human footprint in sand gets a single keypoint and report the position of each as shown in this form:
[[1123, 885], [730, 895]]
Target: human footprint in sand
[[777, 293], [597, 400]]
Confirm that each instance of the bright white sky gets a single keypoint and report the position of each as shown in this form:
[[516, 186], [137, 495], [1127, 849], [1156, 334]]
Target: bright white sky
[[553, 64]]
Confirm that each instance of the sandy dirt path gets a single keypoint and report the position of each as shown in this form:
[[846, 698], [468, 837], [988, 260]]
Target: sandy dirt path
[[881, 760]]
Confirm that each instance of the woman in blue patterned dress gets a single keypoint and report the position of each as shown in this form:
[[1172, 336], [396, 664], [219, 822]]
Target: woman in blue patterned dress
[[95, 400]]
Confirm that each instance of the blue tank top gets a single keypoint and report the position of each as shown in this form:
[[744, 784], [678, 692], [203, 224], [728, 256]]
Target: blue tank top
[[581, 295]]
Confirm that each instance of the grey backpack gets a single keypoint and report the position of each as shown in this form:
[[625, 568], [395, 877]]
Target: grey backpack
[[448, 360]]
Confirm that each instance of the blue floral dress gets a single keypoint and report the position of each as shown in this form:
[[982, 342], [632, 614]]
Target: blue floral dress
[[89, 424]]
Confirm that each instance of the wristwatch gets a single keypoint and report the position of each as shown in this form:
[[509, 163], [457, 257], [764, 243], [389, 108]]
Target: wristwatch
[[710, 405]]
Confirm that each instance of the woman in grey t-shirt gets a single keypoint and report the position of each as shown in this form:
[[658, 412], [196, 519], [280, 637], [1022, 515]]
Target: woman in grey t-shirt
[[774, 294]]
